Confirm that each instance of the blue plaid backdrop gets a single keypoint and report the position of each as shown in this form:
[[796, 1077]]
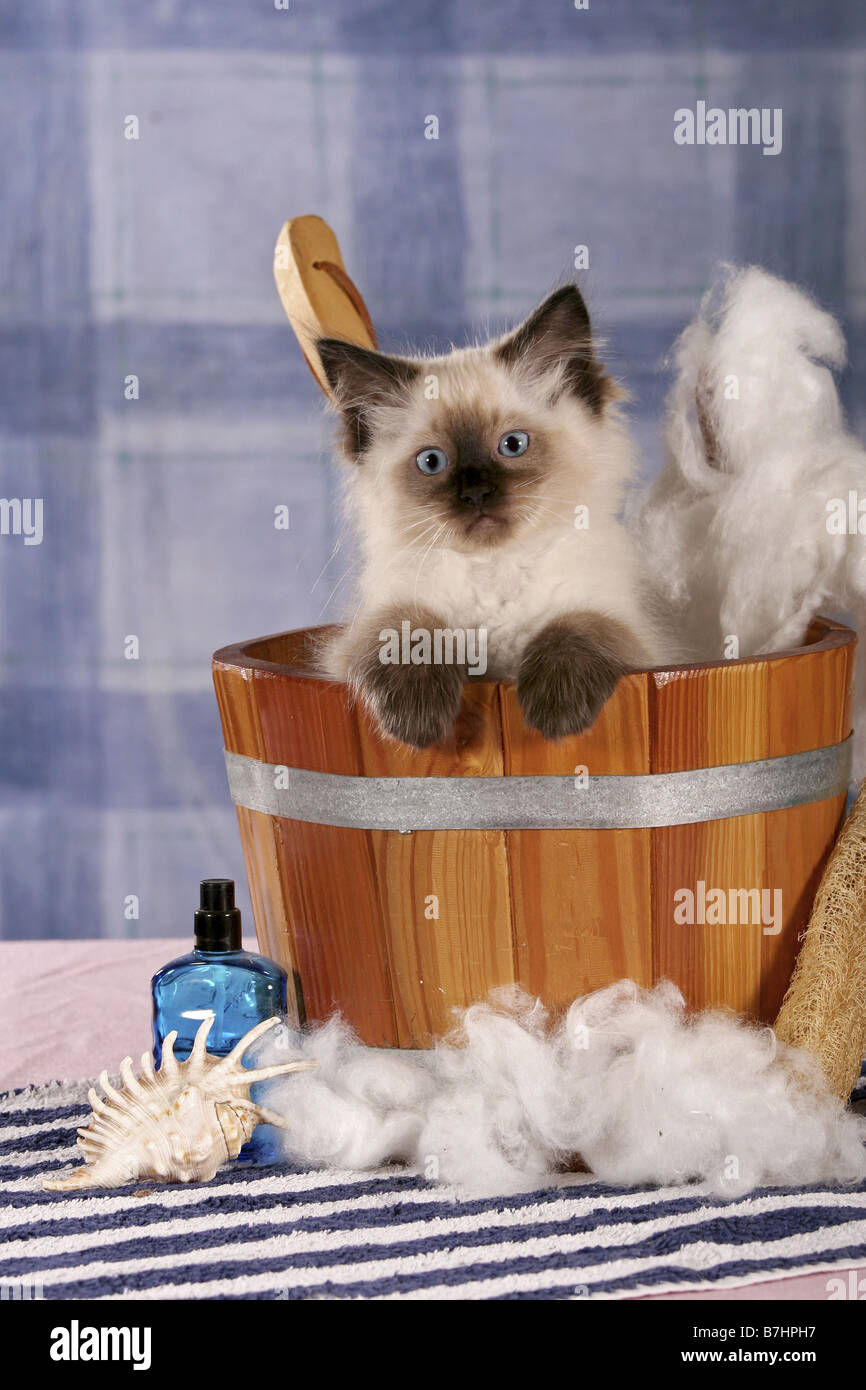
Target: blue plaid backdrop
[[153, 257]]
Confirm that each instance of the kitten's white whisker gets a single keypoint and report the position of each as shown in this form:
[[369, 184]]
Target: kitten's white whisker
[[547, 497], [341, 580], [538, 505], [423, 560], [438, 517], [329, 560], [410, 545]]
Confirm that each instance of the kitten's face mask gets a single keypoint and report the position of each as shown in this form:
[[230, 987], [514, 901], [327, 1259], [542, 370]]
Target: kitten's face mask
[[470, 465]]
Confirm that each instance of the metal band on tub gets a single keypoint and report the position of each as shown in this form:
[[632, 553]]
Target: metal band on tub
[[605, 802]]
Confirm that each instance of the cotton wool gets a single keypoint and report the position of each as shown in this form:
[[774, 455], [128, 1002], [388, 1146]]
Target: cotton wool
[[735, 526], [628, 1080]]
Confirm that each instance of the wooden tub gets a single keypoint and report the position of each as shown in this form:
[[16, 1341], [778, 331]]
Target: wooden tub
[[395, 929]]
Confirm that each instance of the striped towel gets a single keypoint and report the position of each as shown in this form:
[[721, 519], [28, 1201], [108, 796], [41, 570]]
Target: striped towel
[[286, 1233]]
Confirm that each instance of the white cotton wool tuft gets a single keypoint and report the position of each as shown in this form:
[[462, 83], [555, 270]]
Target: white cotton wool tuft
[[704, 1095], [361, 1108], [628, 1080], [741, 527]]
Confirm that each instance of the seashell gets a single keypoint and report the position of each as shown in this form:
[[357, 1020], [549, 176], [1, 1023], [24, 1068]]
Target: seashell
[[178, 1124]]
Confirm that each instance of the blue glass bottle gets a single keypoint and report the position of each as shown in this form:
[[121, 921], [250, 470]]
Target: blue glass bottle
[[218, 976]]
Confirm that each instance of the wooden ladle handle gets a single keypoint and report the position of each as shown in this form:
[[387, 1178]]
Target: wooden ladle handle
[[317, 294]]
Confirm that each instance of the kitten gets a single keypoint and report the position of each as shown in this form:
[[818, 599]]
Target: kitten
[[485, 486]]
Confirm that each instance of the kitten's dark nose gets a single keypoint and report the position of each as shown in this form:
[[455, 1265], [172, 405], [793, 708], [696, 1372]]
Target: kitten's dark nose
[[476, 487]]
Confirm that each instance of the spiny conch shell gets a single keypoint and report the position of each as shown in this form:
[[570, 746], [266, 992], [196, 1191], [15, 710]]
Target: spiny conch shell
[[178, 1124]]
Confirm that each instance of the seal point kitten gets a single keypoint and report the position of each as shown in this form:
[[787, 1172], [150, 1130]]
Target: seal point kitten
[[485, 486]]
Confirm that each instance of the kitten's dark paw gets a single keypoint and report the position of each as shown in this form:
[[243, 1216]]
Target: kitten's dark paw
[[413, 704], [565, 678]]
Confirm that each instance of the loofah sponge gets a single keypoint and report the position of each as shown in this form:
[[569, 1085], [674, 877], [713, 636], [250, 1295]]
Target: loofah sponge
[[824, 1009]]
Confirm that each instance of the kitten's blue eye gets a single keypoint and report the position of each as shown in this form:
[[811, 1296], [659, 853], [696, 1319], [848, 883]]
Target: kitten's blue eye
[[514, 443], [431, 461]]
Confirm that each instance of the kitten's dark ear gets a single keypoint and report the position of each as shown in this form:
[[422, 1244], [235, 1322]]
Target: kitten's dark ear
[[558, 332], [359, 379]]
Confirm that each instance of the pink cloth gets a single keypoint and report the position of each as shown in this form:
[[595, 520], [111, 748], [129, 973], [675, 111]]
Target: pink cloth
[[70, 1008]]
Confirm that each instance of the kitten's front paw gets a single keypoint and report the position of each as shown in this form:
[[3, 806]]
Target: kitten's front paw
[[413, 704], [564, 680]]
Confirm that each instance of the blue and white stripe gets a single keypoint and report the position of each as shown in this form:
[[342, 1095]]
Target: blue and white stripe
[[286, 1233]]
